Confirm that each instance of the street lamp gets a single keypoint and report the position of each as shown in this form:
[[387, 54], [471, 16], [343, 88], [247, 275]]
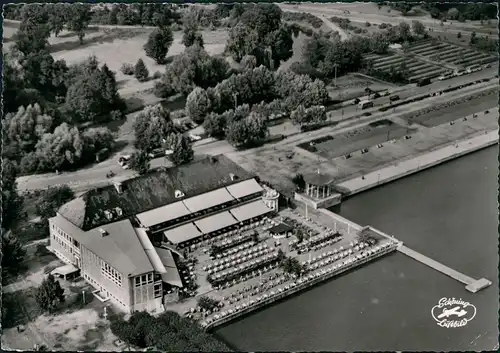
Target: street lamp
[[335, 66]]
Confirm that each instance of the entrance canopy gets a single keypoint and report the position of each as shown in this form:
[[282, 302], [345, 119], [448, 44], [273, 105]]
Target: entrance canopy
[[65, 270]]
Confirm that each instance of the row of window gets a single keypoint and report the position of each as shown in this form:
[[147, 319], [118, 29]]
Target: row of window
[[143, 280], [143, 295], [96, 285], [64, 235], [110, 273], [62, 243]]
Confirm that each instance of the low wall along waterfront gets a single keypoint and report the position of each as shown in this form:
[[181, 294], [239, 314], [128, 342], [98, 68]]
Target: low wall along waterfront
[[418, 163]]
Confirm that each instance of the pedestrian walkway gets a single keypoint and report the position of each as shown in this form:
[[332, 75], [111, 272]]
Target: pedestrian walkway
[[418, 163], [472, 285]]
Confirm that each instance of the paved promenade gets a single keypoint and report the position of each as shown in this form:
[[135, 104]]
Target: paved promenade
[[415, 164]]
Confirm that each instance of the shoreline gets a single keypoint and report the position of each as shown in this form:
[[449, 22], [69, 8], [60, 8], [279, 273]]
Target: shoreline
[[426, 160]]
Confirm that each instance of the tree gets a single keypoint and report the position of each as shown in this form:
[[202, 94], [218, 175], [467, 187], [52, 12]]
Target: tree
[[453, 13], [215, 125], [93, 94], [299, 181], [418, 28], [151, 127], [10, 197], [194, 67], [66, 148], [292, 265], [57, 18], [12, 253], [51, 199], [50, 294], [248, 131], [198, 104], [459, 35], [207, 303], [141, 72], [190, 33], [181, 147], [79, 19], [140, 162], [158, 44]]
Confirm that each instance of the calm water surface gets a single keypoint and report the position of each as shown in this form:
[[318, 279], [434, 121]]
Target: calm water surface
[[448, 213]]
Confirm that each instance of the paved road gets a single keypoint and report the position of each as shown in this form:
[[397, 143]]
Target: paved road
[[94, 176], [411, 90]]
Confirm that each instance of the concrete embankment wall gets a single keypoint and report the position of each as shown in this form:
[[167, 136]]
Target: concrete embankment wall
[[299, 288], [421, 162]]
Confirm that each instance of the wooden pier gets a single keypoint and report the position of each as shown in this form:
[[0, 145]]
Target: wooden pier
[[471, 284]]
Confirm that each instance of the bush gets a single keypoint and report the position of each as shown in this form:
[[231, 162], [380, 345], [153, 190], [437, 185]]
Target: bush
[[156, 75], [367, 24], [382, 26], [127, 69]]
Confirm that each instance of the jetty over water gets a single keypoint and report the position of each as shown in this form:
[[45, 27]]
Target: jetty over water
[[472, 285]]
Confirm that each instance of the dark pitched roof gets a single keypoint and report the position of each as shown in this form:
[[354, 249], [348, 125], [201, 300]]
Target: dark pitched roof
[[152, 190], [280, 229]]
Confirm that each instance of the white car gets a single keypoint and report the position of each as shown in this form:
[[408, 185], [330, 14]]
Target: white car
[[194, 137]]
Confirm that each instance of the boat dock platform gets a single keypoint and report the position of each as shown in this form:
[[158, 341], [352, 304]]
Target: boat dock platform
[[471, 284]]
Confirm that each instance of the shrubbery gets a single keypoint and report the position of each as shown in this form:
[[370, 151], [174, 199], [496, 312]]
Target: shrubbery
[[168, 332]]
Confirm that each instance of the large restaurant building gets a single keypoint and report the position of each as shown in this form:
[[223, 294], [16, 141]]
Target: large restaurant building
[[122, 237]]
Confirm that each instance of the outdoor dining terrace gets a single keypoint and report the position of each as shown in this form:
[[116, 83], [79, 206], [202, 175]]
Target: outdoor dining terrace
[[268, 261], [281, 285], [238, 256]]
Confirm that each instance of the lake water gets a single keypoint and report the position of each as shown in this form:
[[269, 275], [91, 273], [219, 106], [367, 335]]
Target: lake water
[[448, 213]]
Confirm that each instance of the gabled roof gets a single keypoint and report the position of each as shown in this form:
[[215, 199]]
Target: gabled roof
[[152, 190], [120, 247]]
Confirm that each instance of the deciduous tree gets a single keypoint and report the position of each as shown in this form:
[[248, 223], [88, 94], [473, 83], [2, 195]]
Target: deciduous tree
[[158, 44], [182, 149], [12, 253], [51, 199], [140, 162], [151, 127], [78, 19], [198, 104]]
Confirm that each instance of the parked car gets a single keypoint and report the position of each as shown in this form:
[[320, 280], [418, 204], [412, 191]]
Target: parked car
[[194, 137], [376, 95], [394, 98], [124, 159], [156, 153]]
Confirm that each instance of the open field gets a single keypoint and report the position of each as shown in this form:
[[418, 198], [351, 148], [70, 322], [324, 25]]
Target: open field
[[418, 69], [354, 140], [452, 54], [117, 46]]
